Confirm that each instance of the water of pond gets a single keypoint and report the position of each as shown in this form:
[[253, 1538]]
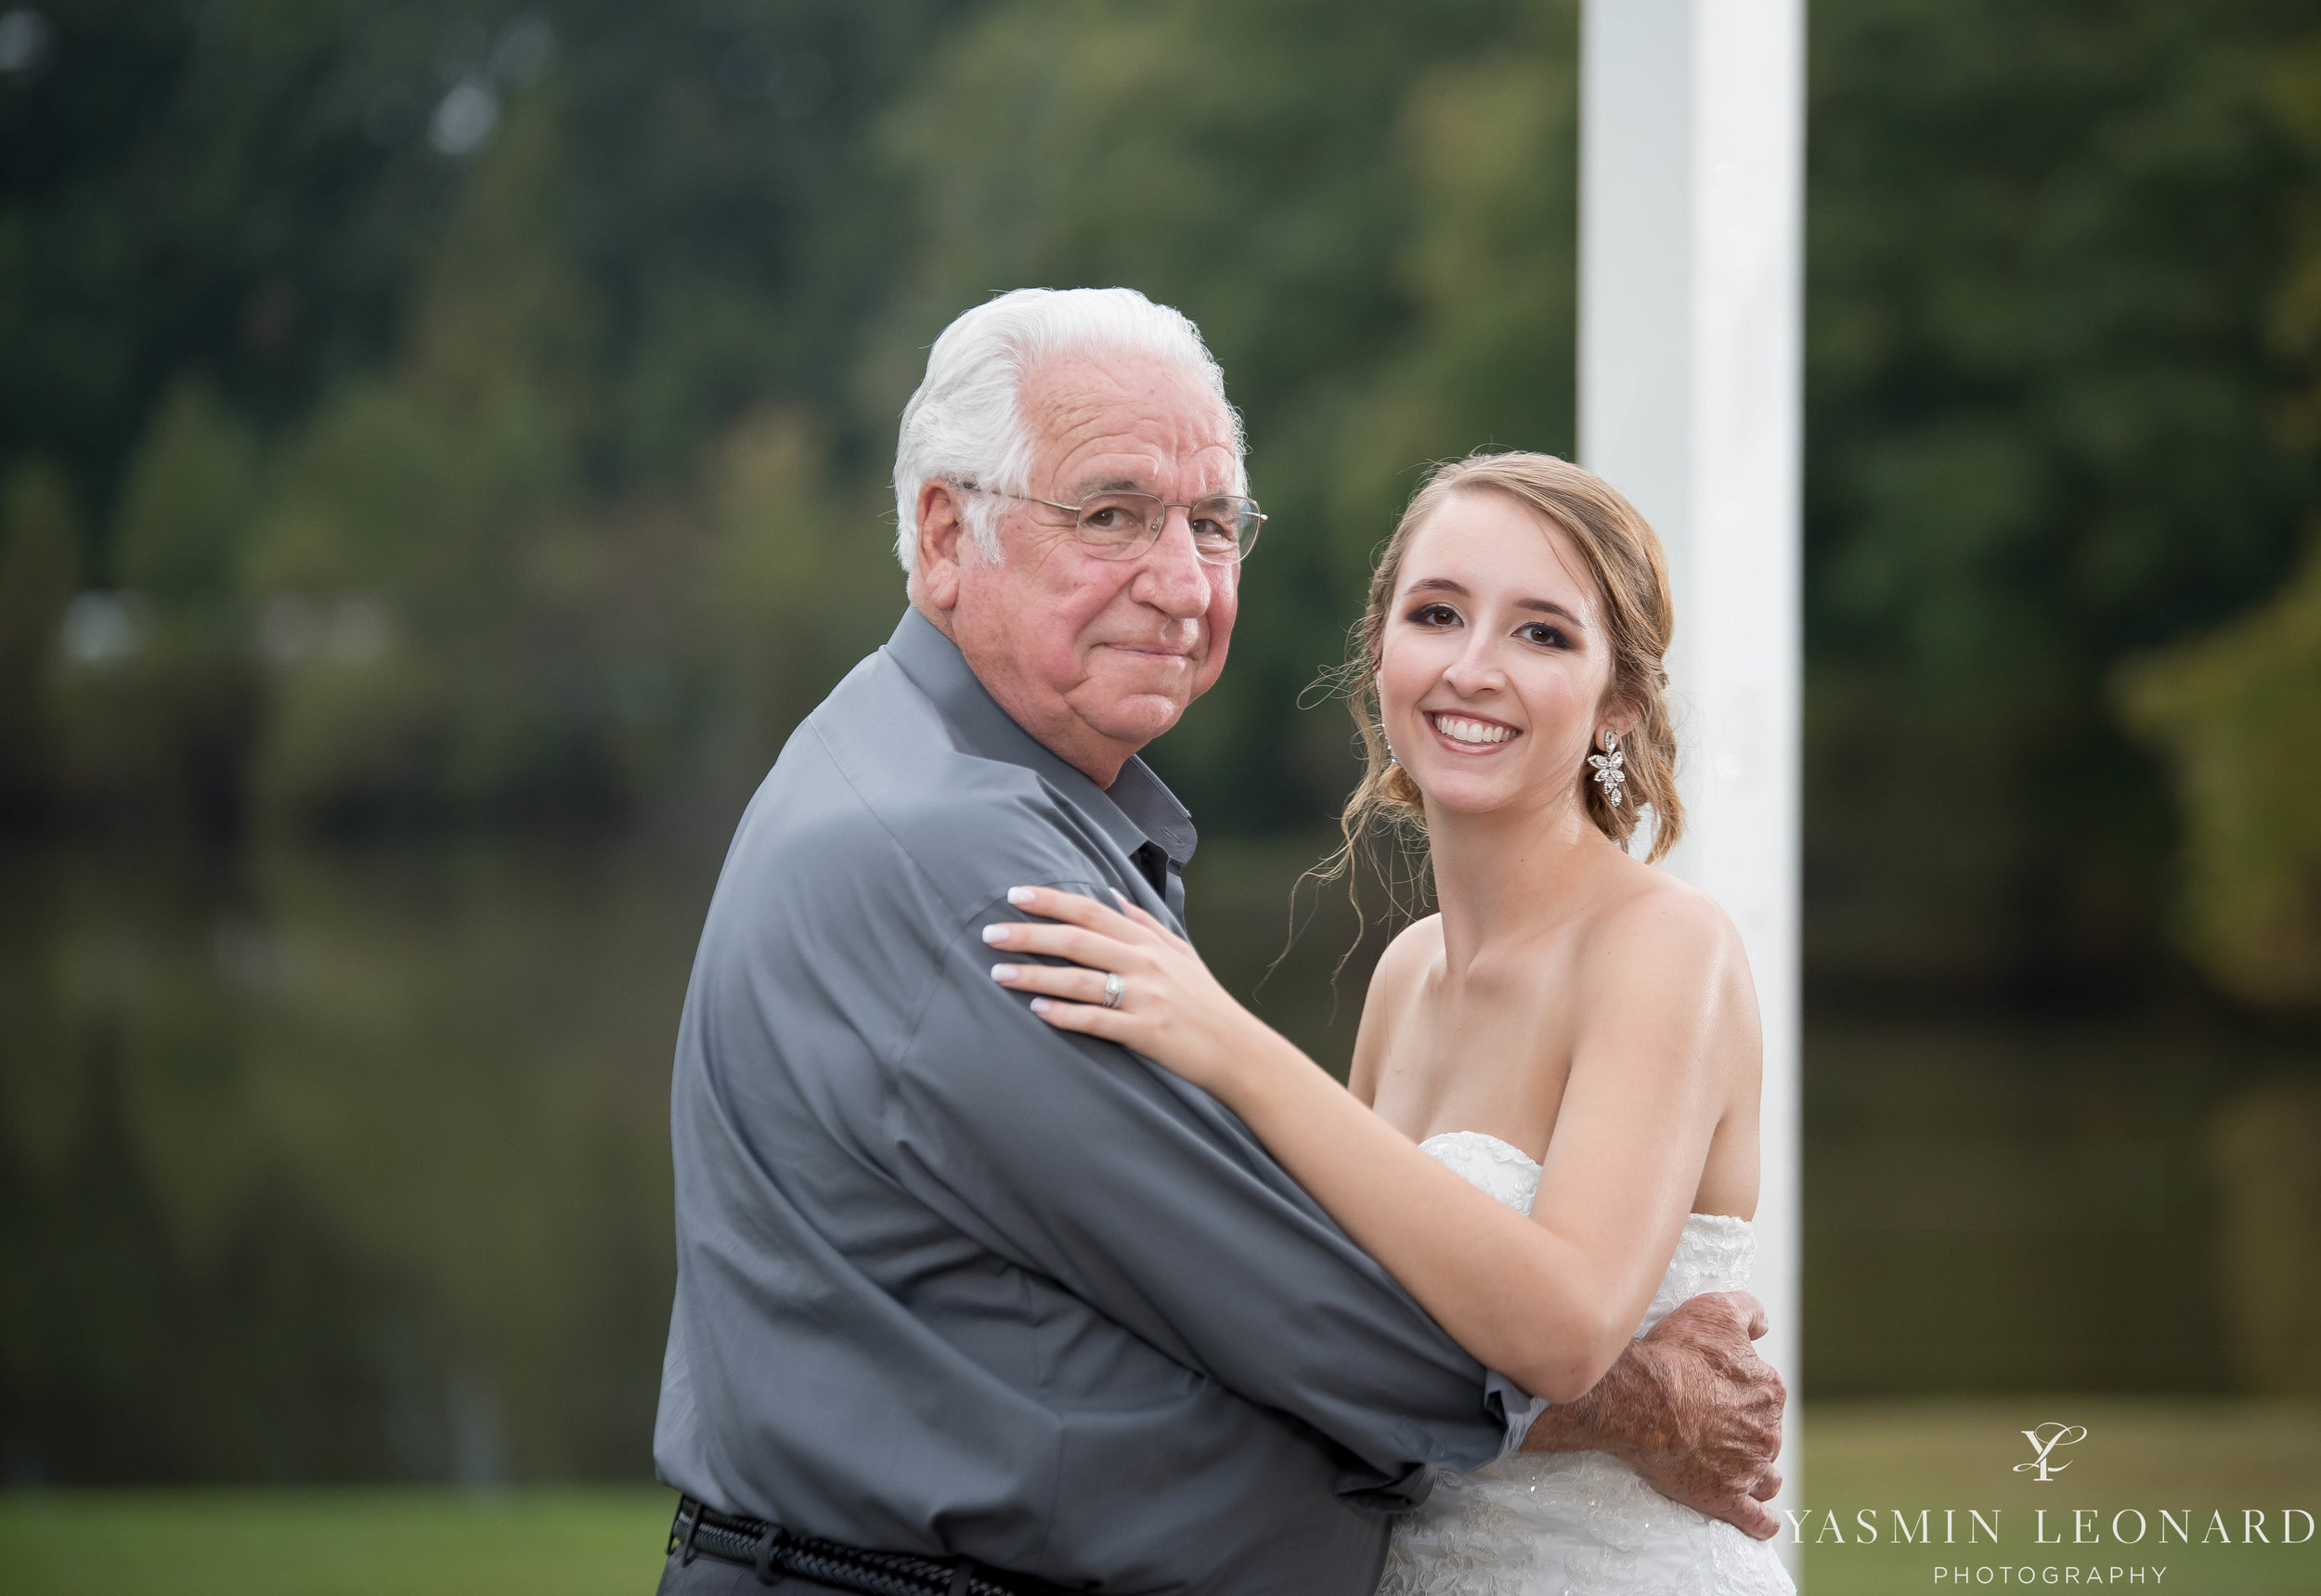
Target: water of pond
[[326, 1166]]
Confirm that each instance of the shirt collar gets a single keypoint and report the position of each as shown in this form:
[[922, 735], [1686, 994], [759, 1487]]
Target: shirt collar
[[1135, 810]]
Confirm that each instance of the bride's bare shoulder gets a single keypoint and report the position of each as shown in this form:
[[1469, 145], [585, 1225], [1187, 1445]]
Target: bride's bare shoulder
[[1401, 969], [1664, 964], [1415, 950], [1649, 921]]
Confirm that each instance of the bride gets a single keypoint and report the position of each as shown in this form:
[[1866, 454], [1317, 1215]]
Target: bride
[[1549, 1131]]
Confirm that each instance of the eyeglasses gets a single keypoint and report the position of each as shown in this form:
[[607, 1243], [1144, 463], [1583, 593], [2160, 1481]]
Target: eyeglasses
[[1117, 524]]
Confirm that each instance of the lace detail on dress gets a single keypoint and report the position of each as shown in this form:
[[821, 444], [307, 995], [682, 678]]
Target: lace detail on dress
[[1501, 1169], [1584, 1525], [1716, 1252]]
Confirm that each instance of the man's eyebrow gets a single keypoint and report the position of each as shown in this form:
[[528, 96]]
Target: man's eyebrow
[[1459, 590], [1088, 484], [1137, 484]]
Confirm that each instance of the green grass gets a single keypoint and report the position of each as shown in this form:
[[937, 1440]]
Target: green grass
[[385, 1541], [2192, 1456]]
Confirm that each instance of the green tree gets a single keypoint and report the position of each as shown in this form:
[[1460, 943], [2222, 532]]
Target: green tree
[[479, 370], [433, 565], [2236, 713], [2041, 246], [184, 188], [39, 547], [185, 510], [2239, 715], [161, 721]]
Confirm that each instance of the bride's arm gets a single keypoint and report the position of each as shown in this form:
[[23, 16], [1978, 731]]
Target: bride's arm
[[1550, 1300]]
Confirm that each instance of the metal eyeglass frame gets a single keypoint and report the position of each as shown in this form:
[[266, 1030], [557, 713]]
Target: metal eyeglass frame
[[1152, 529]]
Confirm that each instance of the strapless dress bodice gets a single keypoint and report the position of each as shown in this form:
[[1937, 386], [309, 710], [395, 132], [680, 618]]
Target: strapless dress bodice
[[1580, 1523], [1714, 1253]]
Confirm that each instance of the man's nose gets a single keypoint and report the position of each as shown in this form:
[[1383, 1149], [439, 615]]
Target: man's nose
[[1171, 578]]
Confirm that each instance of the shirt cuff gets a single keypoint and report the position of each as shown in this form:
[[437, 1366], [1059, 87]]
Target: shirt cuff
[[1517, 1408]]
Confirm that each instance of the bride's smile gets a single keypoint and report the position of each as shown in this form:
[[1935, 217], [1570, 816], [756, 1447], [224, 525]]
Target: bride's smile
[[1471, 735]]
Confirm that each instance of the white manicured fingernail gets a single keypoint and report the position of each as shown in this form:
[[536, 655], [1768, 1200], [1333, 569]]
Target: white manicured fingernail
[[996, 934], [1041, 1005], [1003, 972], [1019, 896]]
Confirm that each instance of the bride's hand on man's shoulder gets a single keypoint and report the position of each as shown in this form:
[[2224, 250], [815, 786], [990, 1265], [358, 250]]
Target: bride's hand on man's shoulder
[[1130, 980]]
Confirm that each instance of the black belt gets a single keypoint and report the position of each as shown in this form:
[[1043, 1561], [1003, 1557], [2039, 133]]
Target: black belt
[[775, 1552]]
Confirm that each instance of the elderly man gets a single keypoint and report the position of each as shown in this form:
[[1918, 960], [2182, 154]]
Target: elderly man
[[967, 1303]]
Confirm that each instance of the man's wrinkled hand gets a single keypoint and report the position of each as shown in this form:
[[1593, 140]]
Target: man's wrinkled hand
[[1692, 1408]]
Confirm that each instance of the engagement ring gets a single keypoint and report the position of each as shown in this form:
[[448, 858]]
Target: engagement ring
[[1115, 987]]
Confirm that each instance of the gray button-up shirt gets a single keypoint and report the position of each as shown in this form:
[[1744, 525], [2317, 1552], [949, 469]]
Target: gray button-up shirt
[[952, 1281]]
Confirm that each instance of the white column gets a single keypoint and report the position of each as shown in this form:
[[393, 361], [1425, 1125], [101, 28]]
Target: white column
[[1691, 208]]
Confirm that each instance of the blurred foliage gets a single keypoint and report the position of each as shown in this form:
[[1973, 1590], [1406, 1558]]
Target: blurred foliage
[[39, 548], [164, 719], [2238, 712], [2043, 243], [2240, 715], [458, 623], [478, 417], [404, 358]]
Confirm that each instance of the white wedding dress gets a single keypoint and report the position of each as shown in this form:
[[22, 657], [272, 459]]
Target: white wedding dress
[[1584, 1524]]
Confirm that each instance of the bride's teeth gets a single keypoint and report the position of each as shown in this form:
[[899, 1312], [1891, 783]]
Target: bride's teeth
[[1464, 730]]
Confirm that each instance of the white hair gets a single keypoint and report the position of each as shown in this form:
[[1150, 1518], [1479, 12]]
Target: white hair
[[965, 424]]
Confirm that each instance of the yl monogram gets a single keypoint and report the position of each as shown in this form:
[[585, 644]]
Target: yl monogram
[[2044, 1440]]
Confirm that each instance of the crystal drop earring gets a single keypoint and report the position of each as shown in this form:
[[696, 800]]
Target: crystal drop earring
[[1610, 767]]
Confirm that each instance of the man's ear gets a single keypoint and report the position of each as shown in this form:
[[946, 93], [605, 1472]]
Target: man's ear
[[943, 528]]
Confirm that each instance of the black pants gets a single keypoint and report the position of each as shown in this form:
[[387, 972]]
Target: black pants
[[714, 1576]]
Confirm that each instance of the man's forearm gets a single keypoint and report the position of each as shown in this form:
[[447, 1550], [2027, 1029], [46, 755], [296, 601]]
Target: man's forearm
[[1626, 1413]]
